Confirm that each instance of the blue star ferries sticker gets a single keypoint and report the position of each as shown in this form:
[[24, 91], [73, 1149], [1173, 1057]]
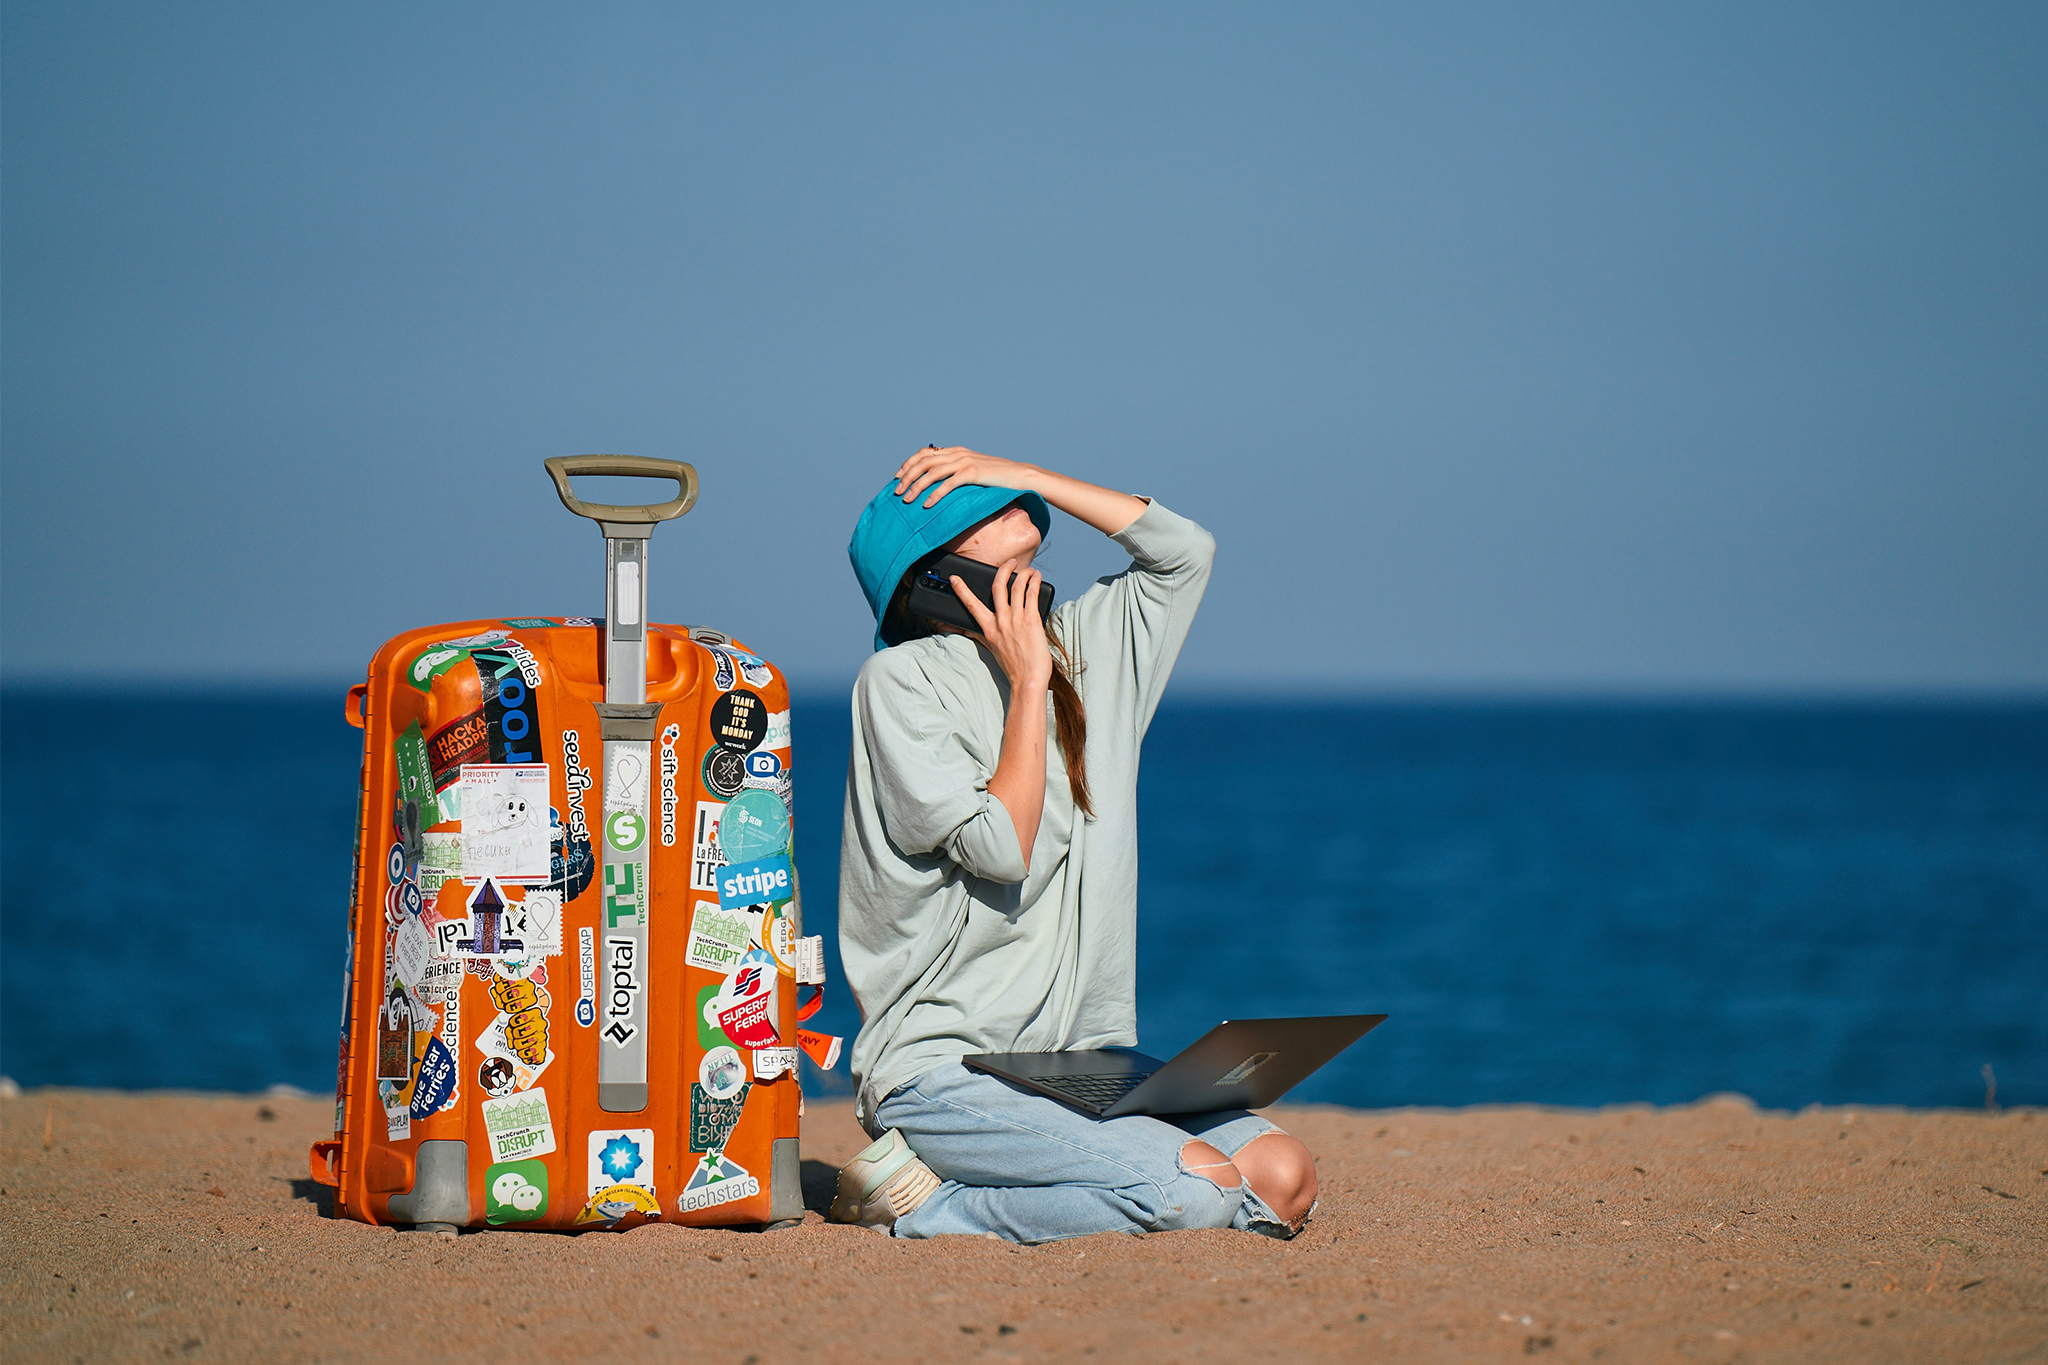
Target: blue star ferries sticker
[[620, 1158]]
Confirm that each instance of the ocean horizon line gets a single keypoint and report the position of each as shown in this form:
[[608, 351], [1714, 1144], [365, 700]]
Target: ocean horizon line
[[1187, 692]]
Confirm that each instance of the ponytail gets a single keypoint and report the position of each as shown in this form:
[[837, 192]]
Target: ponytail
[[1070, 719]]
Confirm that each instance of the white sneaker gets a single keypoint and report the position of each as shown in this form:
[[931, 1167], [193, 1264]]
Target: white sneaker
[[882, 1184]]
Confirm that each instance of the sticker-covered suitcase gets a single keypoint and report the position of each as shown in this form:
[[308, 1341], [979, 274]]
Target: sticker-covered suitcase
[[576, 944]]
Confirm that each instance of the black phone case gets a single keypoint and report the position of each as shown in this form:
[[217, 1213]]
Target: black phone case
[[931, 596]]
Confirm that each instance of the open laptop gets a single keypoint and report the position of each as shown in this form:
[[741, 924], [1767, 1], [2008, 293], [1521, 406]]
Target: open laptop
[[1239, 1064]]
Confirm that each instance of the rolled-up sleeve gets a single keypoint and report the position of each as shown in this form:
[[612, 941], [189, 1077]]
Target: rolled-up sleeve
[[1129, 628], [930, 790]]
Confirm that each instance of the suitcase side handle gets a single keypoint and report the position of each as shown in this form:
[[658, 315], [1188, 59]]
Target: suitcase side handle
[[321, 1161], [564, 467]]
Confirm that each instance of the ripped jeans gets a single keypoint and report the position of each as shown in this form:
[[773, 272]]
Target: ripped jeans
[[1029, 1169]]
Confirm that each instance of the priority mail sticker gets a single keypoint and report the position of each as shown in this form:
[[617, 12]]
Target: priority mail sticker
[[505, 822]]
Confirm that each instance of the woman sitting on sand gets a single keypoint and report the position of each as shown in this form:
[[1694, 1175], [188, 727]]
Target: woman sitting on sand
[[989, 875]]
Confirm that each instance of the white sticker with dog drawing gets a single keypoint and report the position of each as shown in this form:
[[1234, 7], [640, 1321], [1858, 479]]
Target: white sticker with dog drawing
[[505, 822]]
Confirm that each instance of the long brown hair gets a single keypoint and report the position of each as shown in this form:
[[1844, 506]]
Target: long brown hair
[[1069, 717]]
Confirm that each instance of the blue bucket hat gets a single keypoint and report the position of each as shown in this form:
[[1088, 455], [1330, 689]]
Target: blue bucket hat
[[892, 534]]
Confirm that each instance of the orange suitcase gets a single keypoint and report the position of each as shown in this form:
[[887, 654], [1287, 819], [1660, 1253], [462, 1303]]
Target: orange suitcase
[[576, 945]]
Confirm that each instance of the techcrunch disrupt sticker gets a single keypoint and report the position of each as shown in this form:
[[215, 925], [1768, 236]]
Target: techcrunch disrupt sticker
[[717, 940], [519, 1126], [764, 881]]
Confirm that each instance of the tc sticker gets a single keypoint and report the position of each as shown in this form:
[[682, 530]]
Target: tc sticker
[[515, 1191], [765, 881], [519, 1125], [755, 825], [739, 720]]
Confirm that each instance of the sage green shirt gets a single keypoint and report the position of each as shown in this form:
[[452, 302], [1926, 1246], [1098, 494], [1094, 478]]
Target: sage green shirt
[[951, 944]]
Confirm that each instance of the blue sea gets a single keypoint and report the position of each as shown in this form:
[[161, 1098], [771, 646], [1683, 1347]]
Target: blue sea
[[1564, 903]]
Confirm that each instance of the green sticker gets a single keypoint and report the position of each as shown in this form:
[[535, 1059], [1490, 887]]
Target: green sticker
[[528, 623], [415, 777], [432, 664], [625, 830], [515, 1191], [710, 1035]]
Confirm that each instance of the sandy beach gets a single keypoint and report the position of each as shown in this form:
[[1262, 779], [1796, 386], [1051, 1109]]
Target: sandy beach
[[145, 1226]]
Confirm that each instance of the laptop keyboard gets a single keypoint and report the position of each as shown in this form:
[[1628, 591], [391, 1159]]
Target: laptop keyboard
[[1097, 1092]]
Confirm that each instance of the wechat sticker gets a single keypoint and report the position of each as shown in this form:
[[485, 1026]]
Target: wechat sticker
[[515, 1192]]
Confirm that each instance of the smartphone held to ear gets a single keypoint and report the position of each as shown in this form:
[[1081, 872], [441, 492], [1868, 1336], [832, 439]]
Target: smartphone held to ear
[[932, 596]]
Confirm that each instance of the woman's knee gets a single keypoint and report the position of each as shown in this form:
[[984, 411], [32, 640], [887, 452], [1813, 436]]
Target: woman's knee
[[1279, 1170], [1205, 1195]]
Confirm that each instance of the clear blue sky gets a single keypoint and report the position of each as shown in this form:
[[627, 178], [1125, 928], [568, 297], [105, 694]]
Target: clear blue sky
[[1515, 347]]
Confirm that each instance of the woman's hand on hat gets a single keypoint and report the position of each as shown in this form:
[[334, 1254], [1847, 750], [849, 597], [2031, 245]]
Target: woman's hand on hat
[[1014, 632], [948, 467]]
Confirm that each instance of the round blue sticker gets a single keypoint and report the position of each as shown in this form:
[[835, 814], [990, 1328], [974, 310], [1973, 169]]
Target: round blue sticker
[[755, 824]]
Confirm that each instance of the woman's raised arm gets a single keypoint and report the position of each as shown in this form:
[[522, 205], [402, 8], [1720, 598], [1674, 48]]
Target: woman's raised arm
[[941, 469]]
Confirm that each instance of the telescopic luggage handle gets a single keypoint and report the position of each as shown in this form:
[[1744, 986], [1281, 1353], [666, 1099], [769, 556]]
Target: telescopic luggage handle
[[627, 721], [565, 467]]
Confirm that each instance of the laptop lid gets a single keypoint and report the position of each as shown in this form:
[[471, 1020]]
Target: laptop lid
[[1244, 1064]]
